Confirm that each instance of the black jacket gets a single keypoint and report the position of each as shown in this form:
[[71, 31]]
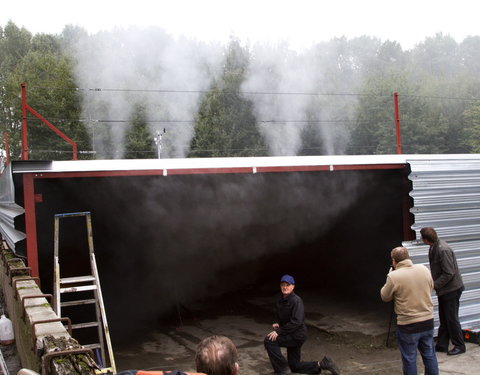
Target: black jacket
[[444, 267], [290, 315]]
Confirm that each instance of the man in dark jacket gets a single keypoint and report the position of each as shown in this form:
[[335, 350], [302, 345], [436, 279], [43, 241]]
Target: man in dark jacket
[[289, 331], [449, 287]]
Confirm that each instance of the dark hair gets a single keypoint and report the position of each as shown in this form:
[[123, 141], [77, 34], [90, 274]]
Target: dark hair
[[429, 234], [216, 355], [400, 253]]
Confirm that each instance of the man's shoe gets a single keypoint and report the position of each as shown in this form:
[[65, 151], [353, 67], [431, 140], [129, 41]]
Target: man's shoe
[[456, 350], [441, 349], [327, 364]]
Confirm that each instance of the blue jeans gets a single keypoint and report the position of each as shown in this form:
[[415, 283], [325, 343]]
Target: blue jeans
[[408, 344]]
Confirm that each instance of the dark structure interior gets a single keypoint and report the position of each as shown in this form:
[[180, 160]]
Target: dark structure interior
[[163, 242]]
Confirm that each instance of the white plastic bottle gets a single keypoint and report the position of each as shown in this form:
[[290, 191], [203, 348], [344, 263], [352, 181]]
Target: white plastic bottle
[[6, 331]]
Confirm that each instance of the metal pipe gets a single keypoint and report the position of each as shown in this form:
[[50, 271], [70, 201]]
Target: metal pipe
[[397, 122], [24, 123]]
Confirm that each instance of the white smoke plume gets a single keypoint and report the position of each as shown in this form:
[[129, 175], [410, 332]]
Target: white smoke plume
[[273, 75], [295, 94], [301, 84], [143, 67]]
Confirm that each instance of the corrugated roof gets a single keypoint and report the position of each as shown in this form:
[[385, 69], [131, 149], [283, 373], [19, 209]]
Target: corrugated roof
[[446, 196]]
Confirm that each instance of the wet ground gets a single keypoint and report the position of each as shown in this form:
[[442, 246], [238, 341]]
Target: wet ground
[[352, 335], [355, 336], [9, 353]]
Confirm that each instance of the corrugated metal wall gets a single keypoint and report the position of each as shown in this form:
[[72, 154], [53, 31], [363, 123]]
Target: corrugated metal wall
[[9, 210], [446, 196]]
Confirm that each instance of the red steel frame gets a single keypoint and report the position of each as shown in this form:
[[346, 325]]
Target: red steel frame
[[30, 222], [25, 108]]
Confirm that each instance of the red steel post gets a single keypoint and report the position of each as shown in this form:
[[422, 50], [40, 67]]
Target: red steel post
[[24, 123], [397, 122], [30, 222]]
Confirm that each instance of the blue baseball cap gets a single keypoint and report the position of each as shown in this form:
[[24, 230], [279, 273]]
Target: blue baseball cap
[[287, 279]]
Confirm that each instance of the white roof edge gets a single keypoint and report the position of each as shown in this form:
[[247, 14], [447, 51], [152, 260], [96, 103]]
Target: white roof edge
[[235, 162]]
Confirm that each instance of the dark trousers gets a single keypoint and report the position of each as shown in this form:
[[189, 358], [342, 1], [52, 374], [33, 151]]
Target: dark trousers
[[294, 347], [450, 328]]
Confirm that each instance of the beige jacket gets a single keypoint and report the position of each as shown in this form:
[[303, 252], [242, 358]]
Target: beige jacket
[[410, 286]]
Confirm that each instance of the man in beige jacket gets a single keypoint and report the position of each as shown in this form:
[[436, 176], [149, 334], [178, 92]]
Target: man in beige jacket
[[410, 286]]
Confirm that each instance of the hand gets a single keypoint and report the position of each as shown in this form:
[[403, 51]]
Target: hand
[[272, 336], [275, 326]]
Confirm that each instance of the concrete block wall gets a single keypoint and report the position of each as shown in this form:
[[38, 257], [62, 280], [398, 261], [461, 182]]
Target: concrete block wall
[[26, 313]]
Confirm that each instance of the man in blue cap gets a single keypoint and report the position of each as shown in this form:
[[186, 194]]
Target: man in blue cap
[[289, 331]]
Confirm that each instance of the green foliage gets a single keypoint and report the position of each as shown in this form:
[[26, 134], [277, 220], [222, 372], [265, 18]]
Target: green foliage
[[438, 83], [434, 82], [225, 123], [48, 75], [472, 121], [14, 45], [139, 140]]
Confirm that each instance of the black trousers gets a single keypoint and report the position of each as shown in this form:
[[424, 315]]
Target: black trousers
[[450, 328], [294, 347]]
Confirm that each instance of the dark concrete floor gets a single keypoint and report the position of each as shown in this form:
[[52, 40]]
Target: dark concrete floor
[[353, 335]]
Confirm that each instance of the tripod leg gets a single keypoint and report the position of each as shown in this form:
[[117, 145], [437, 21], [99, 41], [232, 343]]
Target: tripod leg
[[390, 324]]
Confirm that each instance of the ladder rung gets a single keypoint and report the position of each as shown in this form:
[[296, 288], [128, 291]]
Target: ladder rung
[[92, 346], [77, 279], [84, 325], [78, 289], [78, 302], [105, 370]]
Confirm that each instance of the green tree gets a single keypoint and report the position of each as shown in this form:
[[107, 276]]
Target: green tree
[[472, 120], [437, 56], [434, 81], [139, 141], [225, 123], [48, 74], [14, 45]]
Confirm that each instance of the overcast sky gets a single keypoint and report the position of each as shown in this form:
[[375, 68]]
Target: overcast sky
[[300, 22]]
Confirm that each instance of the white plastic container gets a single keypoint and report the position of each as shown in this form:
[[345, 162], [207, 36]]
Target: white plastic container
[[6, 331]]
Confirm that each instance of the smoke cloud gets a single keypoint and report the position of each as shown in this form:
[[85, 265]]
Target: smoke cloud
[[307, 84], [125, 68], [297, 95], [180, 234]]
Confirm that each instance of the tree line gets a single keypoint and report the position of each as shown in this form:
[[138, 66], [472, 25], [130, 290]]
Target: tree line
[[335, 97]]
